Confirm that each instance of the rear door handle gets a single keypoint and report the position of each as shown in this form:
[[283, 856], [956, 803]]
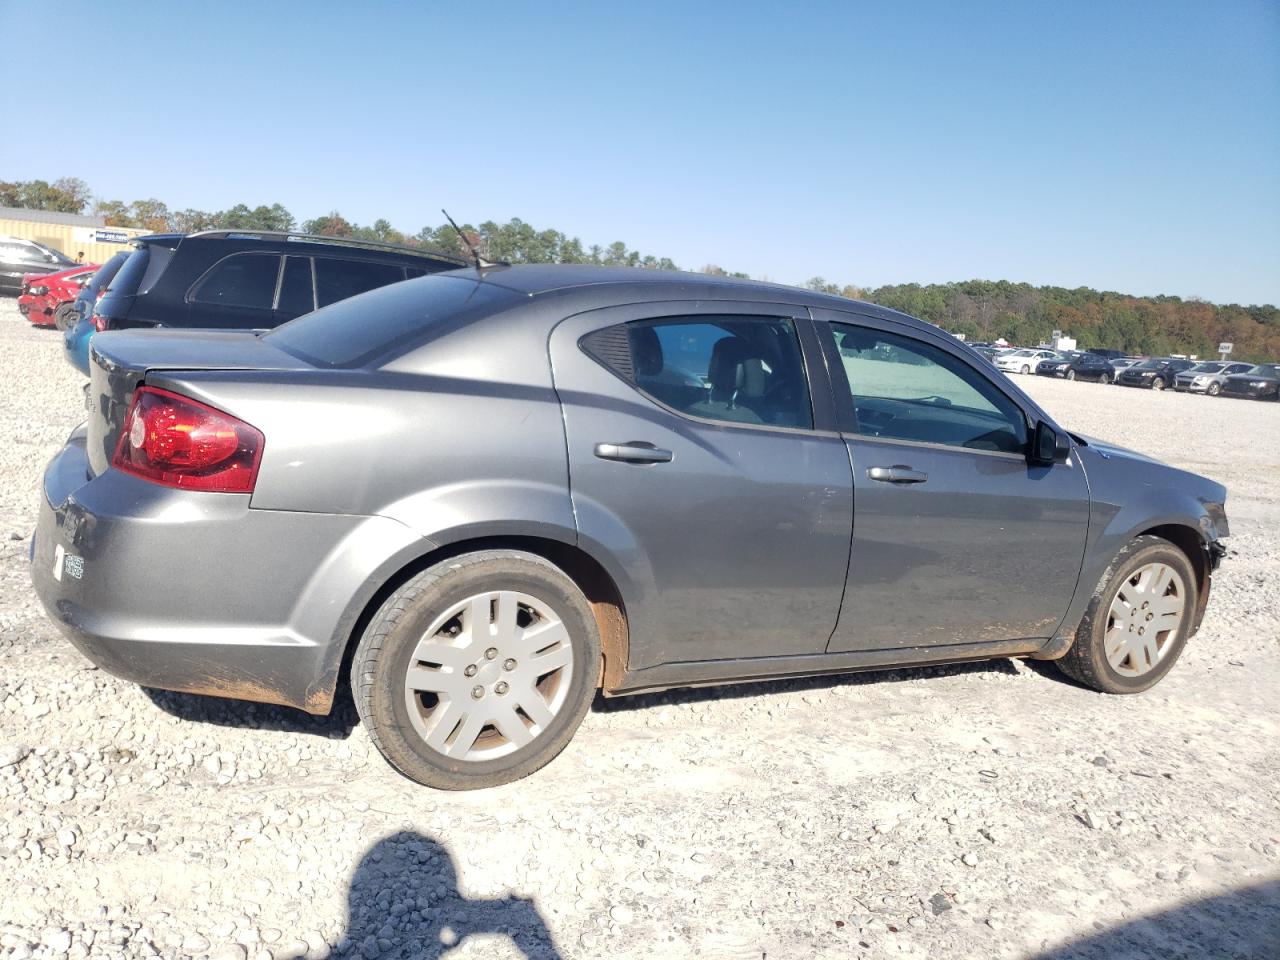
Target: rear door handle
[[898, 473], [633, 451]]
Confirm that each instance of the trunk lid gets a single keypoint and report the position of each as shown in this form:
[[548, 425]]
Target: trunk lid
[[118, 362]]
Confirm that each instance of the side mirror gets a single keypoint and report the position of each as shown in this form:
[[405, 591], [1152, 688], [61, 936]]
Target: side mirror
[[1048, 445]]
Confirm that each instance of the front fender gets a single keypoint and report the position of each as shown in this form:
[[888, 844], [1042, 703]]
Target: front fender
[[1130, 498]]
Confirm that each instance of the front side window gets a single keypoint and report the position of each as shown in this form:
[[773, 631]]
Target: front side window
[[906, 389], [744, 370], [339, 279], [241, 280]]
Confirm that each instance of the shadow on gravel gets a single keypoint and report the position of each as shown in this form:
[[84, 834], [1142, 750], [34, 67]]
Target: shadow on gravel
[[1244, 923], [404, 902], [826, 681], [222, 712]]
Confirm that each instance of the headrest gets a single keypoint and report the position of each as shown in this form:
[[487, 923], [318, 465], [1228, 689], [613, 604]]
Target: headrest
[[646, 351], [735, 371]]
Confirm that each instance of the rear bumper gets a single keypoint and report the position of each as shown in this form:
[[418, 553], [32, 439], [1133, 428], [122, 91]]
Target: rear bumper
[[197, 592]]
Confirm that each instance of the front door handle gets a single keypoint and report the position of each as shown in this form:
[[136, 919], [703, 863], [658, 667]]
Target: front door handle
[[897, 474], [633, 451]]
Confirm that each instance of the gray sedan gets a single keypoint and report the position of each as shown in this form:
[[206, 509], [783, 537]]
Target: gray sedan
[[482, 496]]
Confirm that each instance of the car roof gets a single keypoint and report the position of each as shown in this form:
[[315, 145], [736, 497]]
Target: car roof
[[610, 285]]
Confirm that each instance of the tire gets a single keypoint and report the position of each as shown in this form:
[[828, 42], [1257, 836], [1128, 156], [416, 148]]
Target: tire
[[1071, 374], [1104, 379], [1025, 369], [66, 316], [1157, 384], [397, 637], [1087, 661], [1214, 390]]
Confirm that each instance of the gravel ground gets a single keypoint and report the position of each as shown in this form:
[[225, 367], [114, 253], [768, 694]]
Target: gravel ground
[[985, 810]]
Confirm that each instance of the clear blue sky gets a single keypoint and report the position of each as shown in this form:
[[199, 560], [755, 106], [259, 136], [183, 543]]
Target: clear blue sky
[[1126, 146]]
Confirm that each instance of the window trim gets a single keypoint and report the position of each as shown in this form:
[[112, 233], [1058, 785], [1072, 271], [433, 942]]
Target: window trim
[[844, 392], [311, 267]]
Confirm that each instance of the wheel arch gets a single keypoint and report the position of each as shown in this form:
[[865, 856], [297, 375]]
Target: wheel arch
[[581, 567]]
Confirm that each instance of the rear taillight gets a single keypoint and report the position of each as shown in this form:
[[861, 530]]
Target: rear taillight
[[180, 442]]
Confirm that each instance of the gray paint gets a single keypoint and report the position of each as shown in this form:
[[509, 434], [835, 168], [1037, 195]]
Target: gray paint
[[731, 560]]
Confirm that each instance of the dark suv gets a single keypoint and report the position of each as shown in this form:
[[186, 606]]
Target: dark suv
[[1154, 373], [244, 280]]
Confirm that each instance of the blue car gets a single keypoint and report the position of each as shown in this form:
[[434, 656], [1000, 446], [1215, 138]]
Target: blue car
[[77, 335]]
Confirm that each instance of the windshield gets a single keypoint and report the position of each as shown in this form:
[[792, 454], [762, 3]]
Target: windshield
[[1265, 370], [1207, 368], [1151, 364], [354, 332], [1021, 353]]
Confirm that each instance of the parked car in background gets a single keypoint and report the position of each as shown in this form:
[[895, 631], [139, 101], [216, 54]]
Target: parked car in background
[[1023, 361], [1154, 373], [49, 301], [243, 515], [1208, 377], [76, 337], [1077, 366], [1106, 354], [247, 280], [1257, 383], [19, 257]]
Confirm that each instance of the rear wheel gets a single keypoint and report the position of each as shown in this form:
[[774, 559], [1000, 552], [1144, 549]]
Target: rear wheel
[[1138, 620], [478, 670], [66, 316]]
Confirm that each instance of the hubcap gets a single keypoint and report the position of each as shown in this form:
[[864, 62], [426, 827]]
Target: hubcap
[[489, 676], [1144, 619]]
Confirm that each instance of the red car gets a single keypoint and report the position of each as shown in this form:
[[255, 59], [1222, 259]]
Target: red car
[[48, 300]]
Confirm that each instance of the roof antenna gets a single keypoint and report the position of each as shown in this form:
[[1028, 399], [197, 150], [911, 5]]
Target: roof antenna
[[481, 262]]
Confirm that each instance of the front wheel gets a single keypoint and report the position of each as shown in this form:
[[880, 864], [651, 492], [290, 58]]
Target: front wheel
[[478, 670], [1214, 390], [1025, 369], [1104, 379], [1138, 620], [1157, 384], [1071, 374]]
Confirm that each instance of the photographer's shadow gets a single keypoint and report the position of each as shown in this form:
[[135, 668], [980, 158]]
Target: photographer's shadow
[[404, 902]]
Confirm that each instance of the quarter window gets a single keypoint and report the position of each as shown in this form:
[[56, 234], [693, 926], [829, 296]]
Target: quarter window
[[745, 370], [242, 280], [906, 389]]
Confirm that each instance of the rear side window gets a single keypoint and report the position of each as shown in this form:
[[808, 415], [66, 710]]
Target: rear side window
[[338, 279], [241, 280], [734, 369], [358, 331]]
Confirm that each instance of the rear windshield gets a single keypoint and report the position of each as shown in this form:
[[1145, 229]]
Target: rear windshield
[[355, 332], [141, 271]]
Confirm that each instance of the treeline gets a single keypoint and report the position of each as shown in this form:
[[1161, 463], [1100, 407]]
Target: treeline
[[1023, 314], [979, 309]]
